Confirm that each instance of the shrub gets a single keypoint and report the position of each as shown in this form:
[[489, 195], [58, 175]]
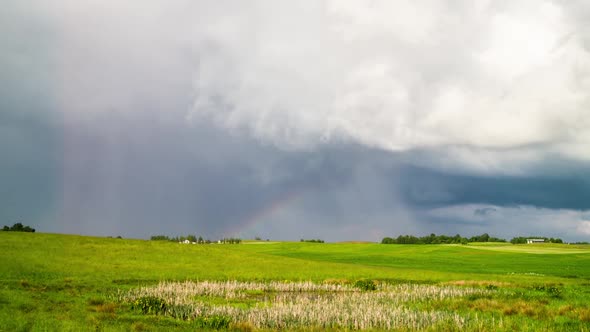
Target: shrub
[[149, 305], [365, 285], [106, 308], [138, 327], [216, 322], [95, 301], [554, 291]]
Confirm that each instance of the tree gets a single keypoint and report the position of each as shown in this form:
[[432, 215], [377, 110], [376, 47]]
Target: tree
[[18, 227], [386, 240]]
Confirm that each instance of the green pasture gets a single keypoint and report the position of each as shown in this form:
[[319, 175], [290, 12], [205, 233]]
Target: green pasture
[[52, 282]]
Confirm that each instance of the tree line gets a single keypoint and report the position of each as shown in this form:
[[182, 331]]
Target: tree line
[[312, 240], [18, 227], [194, 239], [521, 239], [456, 239], [440, 239]]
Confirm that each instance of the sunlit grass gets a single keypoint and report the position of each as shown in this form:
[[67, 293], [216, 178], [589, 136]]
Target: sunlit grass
[[52, 282]]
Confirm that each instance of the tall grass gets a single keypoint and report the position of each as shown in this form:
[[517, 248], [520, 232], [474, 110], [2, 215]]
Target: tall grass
[[288, 305]]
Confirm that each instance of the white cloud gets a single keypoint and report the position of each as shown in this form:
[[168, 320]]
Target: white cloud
[[485, 80], [584, 227], [403, 76]]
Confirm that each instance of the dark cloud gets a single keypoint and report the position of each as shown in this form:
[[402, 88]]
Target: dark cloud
[[483, 212], [429, 188]]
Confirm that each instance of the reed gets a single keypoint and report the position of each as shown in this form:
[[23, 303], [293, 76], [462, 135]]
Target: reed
[[289, 305]]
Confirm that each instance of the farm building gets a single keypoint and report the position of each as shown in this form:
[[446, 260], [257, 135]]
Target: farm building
[[529, 241]]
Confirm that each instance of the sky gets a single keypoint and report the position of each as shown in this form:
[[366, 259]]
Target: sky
[[339, 120]]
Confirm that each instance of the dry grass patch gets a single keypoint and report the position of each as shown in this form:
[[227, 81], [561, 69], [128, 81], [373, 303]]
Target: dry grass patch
[[333, 281], [107, 308], [530, 309], [95, 301], [486, 305], [478, 283], [581, 313], [242, 327], [305, 305]]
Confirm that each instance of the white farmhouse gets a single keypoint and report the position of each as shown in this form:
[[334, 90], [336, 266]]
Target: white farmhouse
[[529, 241]]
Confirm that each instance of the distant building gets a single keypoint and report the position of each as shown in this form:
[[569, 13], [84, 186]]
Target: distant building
[[529, 241]]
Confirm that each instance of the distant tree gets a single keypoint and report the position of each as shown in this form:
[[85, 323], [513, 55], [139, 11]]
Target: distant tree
[[313, 240], [485, 237], [160, 238], [439, 239], [386, 240], [495, 239], [231, 240], [18, 227], [518, 240]]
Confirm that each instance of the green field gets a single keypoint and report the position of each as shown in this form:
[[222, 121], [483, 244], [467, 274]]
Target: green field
[[51, 282]]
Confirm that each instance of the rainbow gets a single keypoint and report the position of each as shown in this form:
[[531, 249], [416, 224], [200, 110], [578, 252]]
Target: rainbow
[[253, 221]]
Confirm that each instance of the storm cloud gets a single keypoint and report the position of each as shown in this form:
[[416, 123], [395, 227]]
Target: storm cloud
[[330, 119]]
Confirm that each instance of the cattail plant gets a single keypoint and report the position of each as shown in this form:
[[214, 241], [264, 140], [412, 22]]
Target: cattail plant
[[290, 305]]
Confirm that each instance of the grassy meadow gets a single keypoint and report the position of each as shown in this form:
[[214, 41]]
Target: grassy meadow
[[52, 282]]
